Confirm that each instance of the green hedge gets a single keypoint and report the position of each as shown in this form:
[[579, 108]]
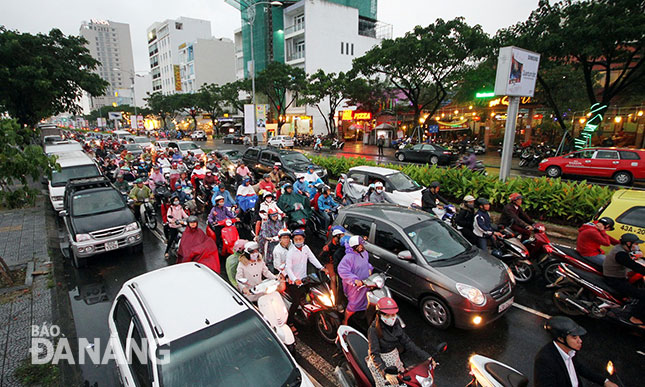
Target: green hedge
[[554, 200]]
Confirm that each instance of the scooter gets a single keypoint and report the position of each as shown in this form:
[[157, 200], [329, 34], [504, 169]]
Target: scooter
[[229, 235], [511, 250], [487, 372], [337, 144], [273, 309], [355, 373]]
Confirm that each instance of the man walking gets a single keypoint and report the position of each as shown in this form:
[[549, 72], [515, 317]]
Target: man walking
[[380, 143]]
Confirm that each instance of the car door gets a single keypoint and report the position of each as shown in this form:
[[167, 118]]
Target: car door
[[415, 153], [384, 250], [264, 166], [632, 221], [578, 163], [605, 163], [132, 370]]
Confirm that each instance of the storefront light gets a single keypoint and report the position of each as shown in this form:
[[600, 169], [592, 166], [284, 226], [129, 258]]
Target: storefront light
[[640, 113], [456, 112], [582, 120], [470, 107], [617, 119]]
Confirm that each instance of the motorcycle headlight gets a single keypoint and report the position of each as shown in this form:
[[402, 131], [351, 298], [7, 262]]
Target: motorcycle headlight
[[326, 300], [425, 381], [379, 282], [132, 226], [83, 237], [510, 273], [472, 294]]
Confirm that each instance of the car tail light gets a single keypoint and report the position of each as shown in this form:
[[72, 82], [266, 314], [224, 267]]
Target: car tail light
[[447, 153]]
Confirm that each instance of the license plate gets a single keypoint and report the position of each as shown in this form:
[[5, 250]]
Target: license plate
[[505, 305], [111, 245]]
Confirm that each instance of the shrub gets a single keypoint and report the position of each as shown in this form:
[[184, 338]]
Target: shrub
[[554, 200]]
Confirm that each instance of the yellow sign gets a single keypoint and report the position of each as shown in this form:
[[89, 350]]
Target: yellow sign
[[347, 115], [504, 101], [363, 116], [177, 78]]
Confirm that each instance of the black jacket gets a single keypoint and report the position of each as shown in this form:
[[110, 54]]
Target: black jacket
[[465, 218], [516, 215], [393, 337], [429, 200], [549, 369]]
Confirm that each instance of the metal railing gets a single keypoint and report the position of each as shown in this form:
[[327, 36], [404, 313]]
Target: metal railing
[[296, 55], [294, 28], [374, 29]]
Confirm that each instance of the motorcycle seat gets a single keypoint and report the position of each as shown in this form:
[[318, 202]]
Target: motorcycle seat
[[506, 376], [358, 347], [596, 279], [575, 254]]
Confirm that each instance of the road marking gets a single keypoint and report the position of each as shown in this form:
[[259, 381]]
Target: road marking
[[532, 311], [640, 353]]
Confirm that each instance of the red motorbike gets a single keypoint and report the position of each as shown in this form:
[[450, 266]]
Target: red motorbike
[[355, 372], [229, 235]]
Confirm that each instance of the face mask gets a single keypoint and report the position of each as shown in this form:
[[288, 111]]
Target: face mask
[[379, 190], [221, 204], [298, 245], [389, 321], [254, 256], [175, 203]]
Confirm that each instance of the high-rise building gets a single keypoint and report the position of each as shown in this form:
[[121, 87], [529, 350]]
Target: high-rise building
[[164, 41], [109, 43], [206, 61]]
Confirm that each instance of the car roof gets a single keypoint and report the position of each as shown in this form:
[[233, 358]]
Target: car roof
[[376, 170], [183, 297], [629, 194], [402, 216], [73, 158]]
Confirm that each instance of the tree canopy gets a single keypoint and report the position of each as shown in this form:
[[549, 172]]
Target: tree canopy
[[282, 85], [327, 91]]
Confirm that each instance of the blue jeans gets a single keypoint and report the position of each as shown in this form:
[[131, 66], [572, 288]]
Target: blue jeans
[[326, 218], [482, 243], [596, 259]]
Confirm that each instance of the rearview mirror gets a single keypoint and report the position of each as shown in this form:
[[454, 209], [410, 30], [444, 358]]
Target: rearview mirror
[[405, 255], [62, 213], [442, 347]]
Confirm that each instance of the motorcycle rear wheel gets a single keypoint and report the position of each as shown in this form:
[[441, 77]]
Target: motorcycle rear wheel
[[150, 221], [326, 326], [559, 297], [550, 273]]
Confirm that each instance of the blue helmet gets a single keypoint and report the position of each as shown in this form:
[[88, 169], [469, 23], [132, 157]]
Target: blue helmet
[[298, 231], [335, 229], [344, 240], [310, 167], [286, 185]]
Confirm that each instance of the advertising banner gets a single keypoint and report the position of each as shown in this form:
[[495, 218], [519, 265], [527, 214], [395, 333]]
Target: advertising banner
[[261, 116], [248, 119], [177, 77], [516, 72]]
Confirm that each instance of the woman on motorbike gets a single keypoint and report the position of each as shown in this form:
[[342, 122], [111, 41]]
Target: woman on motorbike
[[268, 236], [233, 260], [195, 246], [175, 216], [385, 335], [156, 178], [252, 268], [353, 269]]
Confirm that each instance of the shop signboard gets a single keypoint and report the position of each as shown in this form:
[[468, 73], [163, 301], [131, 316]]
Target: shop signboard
[[516, 72], [433, 129]]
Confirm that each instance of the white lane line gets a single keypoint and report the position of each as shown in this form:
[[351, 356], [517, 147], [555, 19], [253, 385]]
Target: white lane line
[[159, 236], [532, 311], [640, 353]]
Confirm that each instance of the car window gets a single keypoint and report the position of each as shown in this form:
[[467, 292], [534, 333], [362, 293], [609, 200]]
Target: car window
[[84, 204], [389, 239], [586, 154], [359, 178], [417, 147], [295, 158], [375, 178], [139, 358], [627, 155], [59, 179], [428, 147], [275, 158], [265, 156], [402, 182], [251, 153], [635, 216], [188, 146], [437, 241], [122, 319], [607, 155], [357, 226]]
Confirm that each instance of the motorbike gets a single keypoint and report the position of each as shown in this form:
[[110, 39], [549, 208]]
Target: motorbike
[[180, 232], [355, 373], [377, 290], [229, 235], [337, 144], [148, 214], [511, 251], [316, 223], [487, 372], [319, 306], [585, 293], [161, 191], [273, 309], [446, 213]]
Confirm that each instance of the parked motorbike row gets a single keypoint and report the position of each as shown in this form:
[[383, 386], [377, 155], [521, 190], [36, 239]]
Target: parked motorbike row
[[532, 155]]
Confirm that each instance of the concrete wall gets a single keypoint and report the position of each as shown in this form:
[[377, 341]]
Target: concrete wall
[[214, 61]]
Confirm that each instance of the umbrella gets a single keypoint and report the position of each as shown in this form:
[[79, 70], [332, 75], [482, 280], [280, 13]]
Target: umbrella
[[384, 125]]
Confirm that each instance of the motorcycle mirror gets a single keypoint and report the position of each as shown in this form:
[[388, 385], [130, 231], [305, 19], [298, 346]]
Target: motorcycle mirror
[[405, 255], [391, 370], [442, 347], [243, 281]]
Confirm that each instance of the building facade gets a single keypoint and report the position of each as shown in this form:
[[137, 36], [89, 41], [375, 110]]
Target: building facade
[[206, 61], [109, 43], [164, 41]]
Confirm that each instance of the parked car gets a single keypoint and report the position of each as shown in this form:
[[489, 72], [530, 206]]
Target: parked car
[[198, 135], [233, 139], [161, 145], [220, 339], [97, 219], [74, 165], [426, 153], [399, 187], [627, 209], [262, 159], [281, 142], [432, 265], [232, 154], [622, 165]]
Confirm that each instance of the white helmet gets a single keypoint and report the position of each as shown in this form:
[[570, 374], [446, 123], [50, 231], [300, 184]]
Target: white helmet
[[218, 198], [469, 198], [251, 246], [283, 232], [337, 231], [378, 184], [354, 241]]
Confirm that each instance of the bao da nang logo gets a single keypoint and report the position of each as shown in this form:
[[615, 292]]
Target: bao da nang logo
[[48, 345]]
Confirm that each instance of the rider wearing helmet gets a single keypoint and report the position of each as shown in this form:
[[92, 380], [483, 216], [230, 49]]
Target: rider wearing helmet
[[593, 235], [385, 335], [234, 259], [618, 261], [556, 364], [219, 213], [175, 216], [378, 196], [514, 217], [353, 269], [268, 235], [430, 196], [326, 206], [483, 228], [296, 206], [276, 174], [281, 249], [466, 218], [139, 193], [266, 184], [253, 269]]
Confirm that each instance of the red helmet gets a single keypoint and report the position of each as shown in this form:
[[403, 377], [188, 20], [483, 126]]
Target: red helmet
[[515, 196], [387, 305], [272, 211]]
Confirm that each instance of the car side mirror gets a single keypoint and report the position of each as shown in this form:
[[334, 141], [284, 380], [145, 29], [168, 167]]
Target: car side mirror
[[441, 347], [405, 255], [62, 213]]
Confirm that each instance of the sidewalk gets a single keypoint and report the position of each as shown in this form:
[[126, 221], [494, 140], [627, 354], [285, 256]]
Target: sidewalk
[[23, 244]]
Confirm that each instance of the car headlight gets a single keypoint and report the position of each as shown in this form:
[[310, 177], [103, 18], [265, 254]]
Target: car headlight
[[510, 273], [326, 300], [472, 294], [83, 237], [544, 161], [132, 226]]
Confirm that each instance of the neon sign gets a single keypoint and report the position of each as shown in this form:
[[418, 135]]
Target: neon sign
[[584, 140], [485, 94], [504, 101], [349, 115]]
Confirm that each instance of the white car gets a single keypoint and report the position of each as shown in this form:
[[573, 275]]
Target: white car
[[62, 147], [143, 141], [205, 334], [281, 142], [198, 135], [399, 187], [73, 165]]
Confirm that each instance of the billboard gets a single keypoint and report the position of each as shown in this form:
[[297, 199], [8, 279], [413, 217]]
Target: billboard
[[177, 77], [516, 72], [261, 116], [248, 119], [101, 122]]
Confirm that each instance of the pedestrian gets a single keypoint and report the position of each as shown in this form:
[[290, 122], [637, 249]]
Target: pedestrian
[[380, 143]]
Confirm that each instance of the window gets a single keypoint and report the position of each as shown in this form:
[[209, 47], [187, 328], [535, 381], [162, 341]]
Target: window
[[352, 49], [626, 155], [359, 178], [417, 147], [347, 48], [122, 318], [140, 370], [428, 147], [607, 155], [266, 156], [179, 26], [342, 48], [389, 239], [635, 216], [251, 153], [357, 226], [586, 154]]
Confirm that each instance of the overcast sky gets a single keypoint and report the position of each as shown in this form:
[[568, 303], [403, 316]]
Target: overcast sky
[[67, 15]]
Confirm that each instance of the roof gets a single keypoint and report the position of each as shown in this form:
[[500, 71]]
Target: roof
[[630, 194], [376, 170], [73, 158], [402, 216], [182, 297]]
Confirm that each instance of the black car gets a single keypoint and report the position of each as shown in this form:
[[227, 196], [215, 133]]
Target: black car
[[262, 159], [426, 153], [233, 139], [431, 264]]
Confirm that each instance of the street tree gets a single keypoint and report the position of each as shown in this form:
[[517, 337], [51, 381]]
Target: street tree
[[230, 94], [209, 99], [326, 91], [426, 63], [368, 95], [186, 104], [163, 106], [44, 75], [282, 85]]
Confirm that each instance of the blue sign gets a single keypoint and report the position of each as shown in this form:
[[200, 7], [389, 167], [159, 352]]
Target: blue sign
[[433, 128]]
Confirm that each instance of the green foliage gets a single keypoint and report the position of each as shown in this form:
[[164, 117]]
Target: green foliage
[[216, 100], [20, 160], [43, 75], [544, 199], [275, 81], [37, 374], [326, 88]]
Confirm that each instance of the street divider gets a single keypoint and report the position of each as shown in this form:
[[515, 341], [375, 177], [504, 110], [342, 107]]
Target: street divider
[[545, 199]]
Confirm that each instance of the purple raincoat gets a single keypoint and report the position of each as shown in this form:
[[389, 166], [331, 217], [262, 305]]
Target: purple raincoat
[[354, 266]]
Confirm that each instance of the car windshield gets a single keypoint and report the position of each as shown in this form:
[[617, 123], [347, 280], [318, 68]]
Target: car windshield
[[436, 241], [187, 146], [96, 202], [232, 154], [401, 182], [295, 158], [141, 140], [132, 147], [59, 179], [239, 351]]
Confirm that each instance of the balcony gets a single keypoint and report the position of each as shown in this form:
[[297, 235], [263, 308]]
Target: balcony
[[374, 29], [294, 30]]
